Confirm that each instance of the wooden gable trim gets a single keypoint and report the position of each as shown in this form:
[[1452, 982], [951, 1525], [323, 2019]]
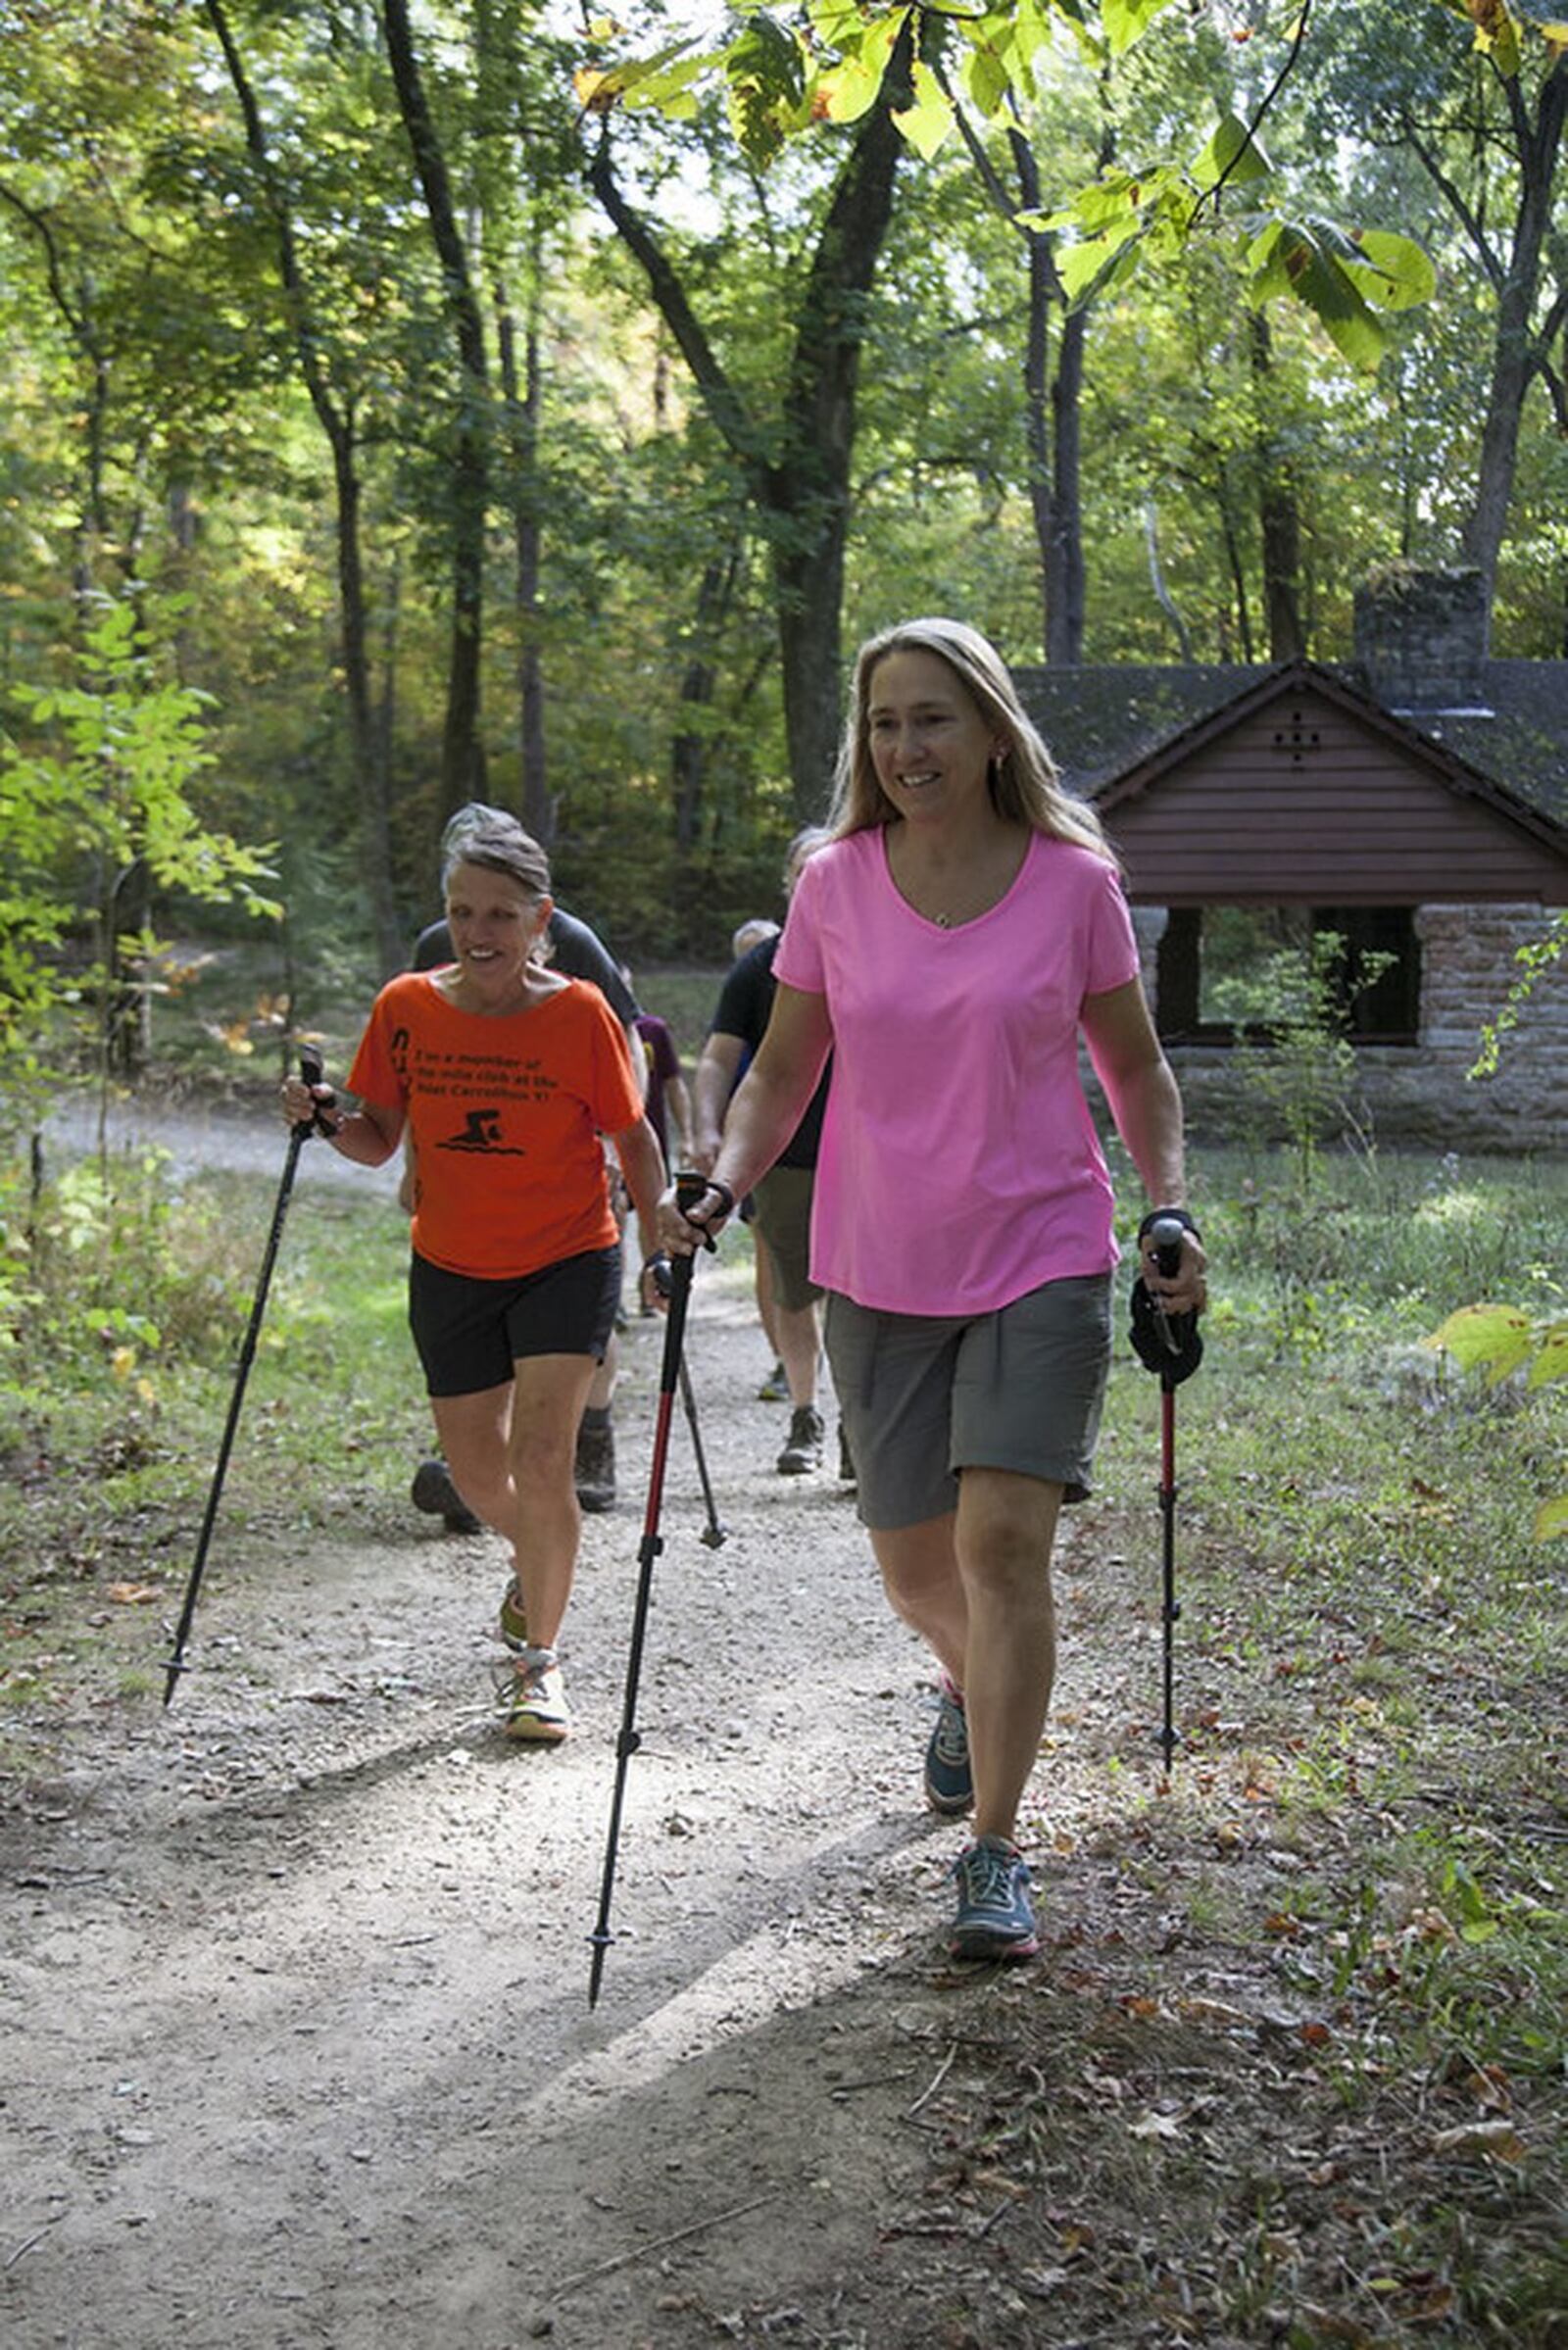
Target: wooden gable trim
[[1302, 790]]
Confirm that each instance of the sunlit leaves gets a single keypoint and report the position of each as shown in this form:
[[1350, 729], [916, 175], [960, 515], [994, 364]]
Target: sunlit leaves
[[1232, 156], [927, 123], [765, 72], [1500, 32], [1499, 1342], [1127, 21]]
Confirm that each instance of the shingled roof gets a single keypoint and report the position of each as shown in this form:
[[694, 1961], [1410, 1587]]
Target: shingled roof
[[1104, 721]]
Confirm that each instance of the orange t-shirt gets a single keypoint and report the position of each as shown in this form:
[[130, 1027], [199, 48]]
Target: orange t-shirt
[[505, 1113]]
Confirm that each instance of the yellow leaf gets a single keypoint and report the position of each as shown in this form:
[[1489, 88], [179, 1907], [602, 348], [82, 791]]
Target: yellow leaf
[[1499, 2138]]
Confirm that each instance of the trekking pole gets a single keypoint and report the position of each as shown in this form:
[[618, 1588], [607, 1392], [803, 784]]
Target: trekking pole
[[689, 1188], [713, 1534], [299, 1136], [1170, 1345]]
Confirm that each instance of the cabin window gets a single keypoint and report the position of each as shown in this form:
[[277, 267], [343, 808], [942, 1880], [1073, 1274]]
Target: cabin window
[[1242, 973]]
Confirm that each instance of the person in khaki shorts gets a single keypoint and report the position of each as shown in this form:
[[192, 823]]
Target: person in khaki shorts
[[782, 1197], [961, 933]]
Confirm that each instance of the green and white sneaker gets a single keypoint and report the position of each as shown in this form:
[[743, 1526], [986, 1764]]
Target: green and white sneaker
[[538, 1714]]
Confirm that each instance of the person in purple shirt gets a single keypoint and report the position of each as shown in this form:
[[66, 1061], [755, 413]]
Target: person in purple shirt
[[963, 929]]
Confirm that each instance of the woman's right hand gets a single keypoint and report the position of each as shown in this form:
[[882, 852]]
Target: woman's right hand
[[309, 1105]]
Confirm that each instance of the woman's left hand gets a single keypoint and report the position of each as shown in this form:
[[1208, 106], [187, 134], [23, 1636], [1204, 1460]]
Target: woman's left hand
[[653, 1283], [1184, 1292]]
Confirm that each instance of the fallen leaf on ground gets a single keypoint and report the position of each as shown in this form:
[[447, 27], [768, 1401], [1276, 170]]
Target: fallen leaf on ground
[[1482, 2137]]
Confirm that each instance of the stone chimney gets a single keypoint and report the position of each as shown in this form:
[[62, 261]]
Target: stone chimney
[[1421, 638]]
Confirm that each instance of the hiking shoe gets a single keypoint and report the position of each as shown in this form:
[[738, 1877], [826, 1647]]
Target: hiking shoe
[[594, 1473], [996, 1917], [538, 1713], [948, 1781], [434, 1492], [513, 1623], [775, 1388], [803, 1451]]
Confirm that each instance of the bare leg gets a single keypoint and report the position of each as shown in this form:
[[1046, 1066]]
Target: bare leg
[[1007, 1526], [765, 1312], [510, 1452], [602, 1393], [920, 1575], [976, 1586], [800, 1347]]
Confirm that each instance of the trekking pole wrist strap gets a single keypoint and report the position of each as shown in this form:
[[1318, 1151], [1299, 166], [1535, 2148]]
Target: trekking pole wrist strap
[[716, 1184]]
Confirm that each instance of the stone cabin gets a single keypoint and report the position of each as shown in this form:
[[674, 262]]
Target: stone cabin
[[1413, 800]]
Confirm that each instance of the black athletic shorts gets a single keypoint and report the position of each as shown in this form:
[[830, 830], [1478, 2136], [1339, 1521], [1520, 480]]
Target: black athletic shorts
[[470, 1332]]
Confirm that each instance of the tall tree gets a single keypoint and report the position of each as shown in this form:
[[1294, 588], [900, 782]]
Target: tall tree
[[1481, 108], [335, 403], [462, 744], [796, 463]]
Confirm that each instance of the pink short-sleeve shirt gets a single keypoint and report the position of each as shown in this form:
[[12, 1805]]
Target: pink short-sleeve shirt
[[960, 1164]]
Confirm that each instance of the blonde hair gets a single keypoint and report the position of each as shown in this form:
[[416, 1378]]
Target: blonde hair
[[1026, 787], [488, 837]]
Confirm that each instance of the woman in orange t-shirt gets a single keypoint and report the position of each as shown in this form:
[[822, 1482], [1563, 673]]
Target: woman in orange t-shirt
[[505, 1076]]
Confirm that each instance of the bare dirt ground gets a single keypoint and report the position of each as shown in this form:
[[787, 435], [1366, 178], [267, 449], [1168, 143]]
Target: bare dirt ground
[[293, 1975]]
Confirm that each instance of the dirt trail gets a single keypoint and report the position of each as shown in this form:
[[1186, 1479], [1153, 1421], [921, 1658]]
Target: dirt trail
[[293, 1977]]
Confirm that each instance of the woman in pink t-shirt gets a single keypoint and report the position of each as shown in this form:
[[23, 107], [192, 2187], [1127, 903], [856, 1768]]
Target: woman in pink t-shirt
[[964, 928]]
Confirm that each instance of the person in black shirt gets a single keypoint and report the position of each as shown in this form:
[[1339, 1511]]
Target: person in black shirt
[[783, 1198]]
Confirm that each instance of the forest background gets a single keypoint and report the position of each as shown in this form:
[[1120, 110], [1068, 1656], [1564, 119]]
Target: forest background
[[412, 407]]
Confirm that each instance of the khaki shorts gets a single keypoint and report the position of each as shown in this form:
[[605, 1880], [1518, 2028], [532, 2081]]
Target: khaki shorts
[[783, 1199], [925, 1396]]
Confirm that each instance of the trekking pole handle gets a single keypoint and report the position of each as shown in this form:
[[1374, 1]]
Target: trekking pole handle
[[689, 1188], [1166, 1235], [312, 1072]]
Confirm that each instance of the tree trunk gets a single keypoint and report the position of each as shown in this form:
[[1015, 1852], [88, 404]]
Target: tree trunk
[[1279, 517], [461, 750], [1053, 429], [1516, 351], [803, 491], [523, 398], [689, 752], [370, 767]]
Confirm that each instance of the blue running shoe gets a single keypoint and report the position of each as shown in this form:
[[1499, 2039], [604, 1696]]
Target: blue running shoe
[[996, 1917], [949, 1783]]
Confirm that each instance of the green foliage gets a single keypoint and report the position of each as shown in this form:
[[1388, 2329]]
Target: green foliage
[[1498, 1342], [108, 1279], [1534, 959], [1304, 1079], [1112, 220], [115, 802]]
